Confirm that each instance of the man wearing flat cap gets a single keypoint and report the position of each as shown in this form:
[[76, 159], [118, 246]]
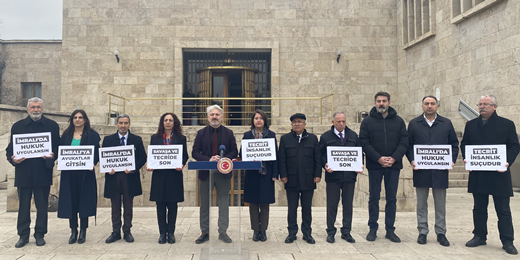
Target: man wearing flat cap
[[300, 169]]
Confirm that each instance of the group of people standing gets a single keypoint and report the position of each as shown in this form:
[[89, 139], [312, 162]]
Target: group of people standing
[[301, 156]]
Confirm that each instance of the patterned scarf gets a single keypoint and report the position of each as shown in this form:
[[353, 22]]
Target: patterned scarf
[[262, 135], [166, 141]]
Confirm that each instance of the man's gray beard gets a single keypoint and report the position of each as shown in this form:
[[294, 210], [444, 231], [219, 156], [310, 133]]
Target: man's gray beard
[[382, 110], [35, 117], [214, 124]]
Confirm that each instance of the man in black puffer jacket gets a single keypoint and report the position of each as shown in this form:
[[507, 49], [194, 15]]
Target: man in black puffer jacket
[[384, 140], [338, 182]]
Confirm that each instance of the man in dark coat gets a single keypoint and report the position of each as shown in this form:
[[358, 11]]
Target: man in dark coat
[[33, 176], [300, 169], [206, 148], [491, 129], [339, 182], [384, 139], [125, 184], [431, 129]]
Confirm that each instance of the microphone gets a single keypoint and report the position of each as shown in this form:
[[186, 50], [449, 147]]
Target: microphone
[[221, 150]]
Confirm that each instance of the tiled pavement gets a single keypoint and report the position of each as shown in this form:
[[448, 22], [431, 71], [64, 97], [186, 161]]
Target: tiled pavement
[[145, 231]]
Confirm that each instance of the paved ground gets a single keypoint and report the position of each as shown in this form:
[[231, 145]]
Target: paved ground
[[146, 233]]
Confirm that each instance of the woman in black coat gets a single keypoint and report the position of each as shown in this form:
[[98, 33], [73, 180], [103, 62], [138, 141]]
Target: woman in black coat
[[78, 188], [167, 187], [259, 184]]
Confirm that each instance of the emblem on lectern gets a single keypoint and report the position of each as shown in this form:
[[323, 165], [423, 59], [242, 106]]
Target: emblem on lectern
[[225, 165]]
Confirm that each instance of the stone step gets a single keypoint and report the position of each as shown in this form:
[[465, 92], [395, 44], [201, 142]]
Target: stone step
[[457, 183], [459, 175]]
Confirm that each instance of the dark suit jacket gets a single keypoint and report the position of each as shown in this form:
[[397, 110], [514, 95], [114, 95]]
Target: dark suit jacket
[[202, 150], [134, 180]]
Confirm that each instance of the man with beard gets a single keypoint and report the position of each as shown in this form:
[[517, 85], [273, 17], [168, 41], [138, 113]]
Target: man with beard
[[33, 176], [431, 129], [206, 148], [491, 129], [384, 139]]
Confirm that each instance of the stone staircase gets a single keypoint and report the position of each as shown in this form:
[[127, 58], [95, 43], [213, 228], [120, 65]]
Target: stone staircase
[[459, 176]]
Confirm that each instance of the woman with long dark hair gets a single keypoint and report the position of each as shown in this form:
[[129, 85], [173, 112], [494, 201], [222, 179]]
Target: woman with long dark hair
[[167, 188], [78, 188], [259, 184]]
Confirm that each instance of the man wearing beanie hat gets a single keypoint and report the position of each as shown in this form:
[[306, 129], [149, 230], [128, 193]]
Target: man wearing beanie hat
[[300, 170]]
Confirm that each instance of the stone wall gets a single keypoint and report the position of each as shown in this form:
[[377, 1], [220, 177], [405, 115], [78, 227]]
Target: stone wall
[[32, 61], [303, 35], [465, 60]]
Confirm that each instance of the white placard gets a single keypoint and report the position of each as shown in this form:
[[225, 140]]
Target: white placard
[[75, 157], [486, 157], [258, 149], [32, 145], [344, 158], [432, 157], [119, 158], [164, 156]]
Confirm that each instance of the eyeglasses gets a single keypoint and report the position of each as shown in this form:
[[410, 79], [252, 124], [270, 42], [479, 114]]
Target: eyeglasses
[[484, 104]]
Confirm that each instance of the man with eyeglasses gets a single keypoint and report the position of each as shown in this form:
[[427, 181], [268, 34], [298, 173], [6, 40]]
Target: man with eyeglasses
[[491, 129], [300, 169]]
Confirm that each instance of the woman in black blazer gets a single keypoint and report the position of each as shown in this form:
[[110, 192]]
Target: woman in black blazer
[[78, 188], [259, 184], [167, 187]]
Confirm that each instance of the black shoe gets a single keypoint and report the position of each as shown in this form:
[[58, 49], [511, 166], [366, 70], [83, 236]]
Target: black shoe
[[309, 239], [441, 238], [113, 237], [348, 238], [330, 239], [22, 242], [82, 236], [40, 241], [162, 239], [262, 236], [127, 236], [422, 239], [290, 238], [392, 236], [256, 236], [224, 237], [476, 241], [171, 238], [203, 238], [372, 234], [73, 235], [510, 249]]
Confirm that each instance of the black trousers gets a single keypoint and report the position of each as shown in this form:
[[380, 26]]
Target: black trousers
[[76, 185], [166, 216], [335, 191], [293, 197], [391, 179], [259, 215], [480, 217], [41, 201], [127, 200]]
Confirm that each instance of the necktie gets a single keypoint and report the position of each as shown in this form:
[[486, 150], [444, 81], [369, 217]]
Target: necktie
[[341, 136], [122, 141], [215, 142]]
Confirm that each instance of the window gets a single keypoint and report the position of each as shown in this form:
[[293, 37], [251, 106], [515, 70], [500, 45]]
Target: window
[[462, 9], [29, 90], [418, 21]]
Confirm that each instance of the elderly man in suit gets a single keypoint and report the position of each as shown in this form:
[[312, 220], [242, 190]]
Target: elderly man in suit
[[206, 148], [125, 184]]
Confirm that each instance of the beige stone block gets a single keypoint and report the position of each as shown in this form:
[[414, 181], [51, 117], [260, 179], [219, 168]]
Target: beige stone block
[[285, 14]]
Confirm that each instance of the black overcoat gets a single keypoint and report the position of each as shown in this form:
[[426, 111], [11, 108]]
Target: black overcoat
[[498, 130], [88, 197], [330, 138], [34, 172], [167, 184], [299, 162], [258, 188], [440, 133], [134, 178]]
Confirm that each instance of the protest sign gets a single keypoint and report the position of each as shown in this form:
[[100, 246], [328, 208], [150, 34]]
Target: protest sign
[[258, 149], [76, 157], [432, 157], [344, 158], [486, 157], [164, 157], [119, 158], [32, 145]]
